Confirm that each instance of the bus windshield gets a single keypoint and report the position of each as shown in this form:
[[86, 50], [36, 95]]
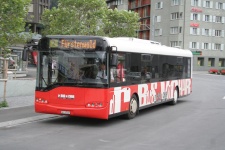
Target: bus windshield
[[71, 68]]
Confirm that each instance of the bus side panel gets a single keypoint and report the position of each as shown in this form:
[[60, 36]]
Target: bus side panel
[[148, 94]]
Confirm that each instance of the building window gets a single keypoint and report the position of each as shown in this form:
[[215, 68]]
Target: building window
[[176, 15], [195, 3], [144, 35], [207, 4], [157, 18], [221, 62], [200, 61], [219, 5], [211, 62], [194, 45], [206, 46], [194, 31], [174, 30], [217, 46], [218, 19], [175, 43], [218, 33], [139, 3], [158, 32], [175, 2], [145, 11], [195, 17], [133, 4], [207, 32], [31, 8], [159, 5], [206, 18]]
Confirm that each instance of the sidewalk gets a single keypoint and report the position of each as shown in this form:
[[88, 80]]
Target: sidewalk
[[20, 101]]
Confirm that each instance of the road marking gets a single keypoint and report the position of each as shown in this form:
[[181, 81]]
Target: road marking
[[224, 97], [26, 120]]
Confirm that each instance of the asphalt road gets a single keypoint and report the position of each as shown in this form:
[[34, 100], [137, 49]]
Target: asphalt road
[[195, 123]]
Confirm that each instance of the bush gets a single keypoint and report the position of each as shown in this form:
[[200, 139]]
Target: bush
[[3, 104]]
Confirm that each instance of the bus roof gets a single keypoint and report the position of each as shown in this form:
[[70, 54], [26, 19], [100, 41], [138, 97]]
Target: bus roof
[[135, 45], [127, 44]]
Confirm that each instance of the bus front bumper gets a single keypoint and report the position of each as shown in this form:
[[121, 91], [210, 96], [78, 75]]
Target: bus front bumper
[[100, 113]]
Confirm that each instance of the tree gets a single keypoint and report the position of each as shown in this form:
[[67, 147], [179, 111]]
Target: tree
[[121, 23], [89, 17], [12, 22]]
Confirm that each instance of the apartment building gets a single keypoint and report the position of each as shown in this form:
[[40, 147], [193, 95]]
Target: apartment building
[[143, 8], [33, 20], [198, 25]]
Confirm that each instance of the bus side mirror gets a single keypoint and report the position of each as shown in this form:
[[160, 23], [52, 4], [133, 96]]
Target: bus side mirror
[[114, 60], [112, 48], [24, 54]]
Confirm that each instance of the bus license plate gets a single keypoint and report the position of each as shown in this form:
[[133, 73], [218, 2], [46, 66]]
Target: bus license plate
[[65, 112]]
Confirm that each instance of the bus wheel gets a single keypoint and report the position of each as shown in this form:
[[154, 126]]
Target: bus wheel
[[175, 97], [133, 107]]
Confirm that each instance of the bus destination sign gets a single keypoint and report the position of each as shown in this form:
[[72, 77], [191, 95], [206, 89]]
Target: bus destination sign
[[90, 44], [70, 44]]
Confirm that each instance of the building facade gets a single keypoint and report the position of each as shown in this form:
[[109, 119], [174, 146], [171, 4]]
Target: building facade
[[143, 8], [33, 20], [198, 25]]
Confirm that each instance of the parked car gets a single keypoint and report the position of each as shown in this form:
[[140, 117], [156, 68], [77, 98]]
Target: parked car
[[222, 71], [213, 71]]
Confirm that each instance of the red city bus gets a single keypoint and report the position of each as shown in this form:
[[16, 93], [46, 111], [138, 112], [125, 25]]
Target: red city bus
[[137, 74]]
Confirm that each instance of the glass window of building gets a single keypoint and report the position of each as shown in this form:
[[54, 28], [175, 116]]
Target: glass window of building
[[207, 32], [206, 18], [200, 61], [207, 4], [218, 19], [175, 2], [211, 62], [206, 46], [218, 33], [159, 5], [221, 62], [217, 46], [174, 30]]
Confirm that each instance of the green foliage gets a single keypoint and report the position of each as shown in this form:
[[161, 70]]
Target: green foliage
[[12, 21], [89, 17], [4, 104], [121, 23]]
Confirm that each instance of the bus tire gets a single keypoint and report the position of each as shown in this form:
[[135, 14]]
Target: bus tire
[[133, 107], [175, 97]]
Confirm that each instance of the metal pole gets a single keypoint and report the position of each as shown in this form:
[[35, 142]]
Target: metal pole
[[153, 27]]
